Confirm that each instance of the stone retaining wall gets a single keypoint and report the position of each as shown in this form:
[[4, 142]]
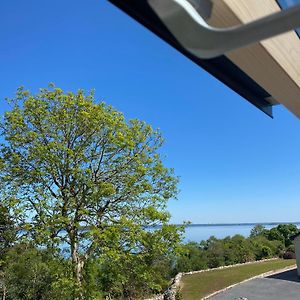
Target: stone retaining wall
[[170, 293]]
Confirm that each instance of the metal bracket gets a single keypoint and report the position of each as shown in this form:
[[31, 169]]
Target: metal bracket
[[204, 41], [203, 7]]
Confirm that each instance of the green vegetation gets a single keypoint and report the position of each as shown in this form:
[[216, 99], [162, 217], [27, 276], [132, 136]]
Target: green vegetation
[[7, 238], [261, 244], [200, 285], [7, 230], [80, 189], [75, 174], [32, 273]]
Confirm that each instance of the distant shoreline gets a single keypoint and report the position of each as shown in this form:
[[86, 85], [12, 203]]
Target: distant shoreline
[[238, 224], [227, 224], [213, 225]]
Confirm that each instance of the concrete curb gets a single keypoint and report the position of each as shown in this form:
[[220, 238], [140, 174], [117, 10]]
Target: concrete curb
[[246, 280]]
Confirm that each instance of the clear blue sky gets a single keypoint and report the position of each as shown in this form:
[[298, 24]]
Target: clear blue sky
[[235, 163]]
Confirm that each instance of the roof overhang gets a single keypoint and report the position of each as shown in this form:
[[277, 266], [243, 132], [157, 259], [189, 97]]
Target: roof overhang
[[241, 70]]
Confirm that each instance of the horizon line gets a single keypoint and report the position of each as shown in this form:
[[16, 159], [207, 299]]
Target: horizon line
[[237, 224]]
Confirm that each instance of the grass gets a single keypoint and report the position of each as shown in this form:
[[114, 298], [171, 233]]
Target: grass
[[199, 285]]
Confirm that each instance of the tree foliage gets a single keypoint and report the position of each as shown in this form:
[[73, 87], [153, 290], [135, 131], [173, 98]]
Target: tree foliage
[[261, 244], [257, 230], [7, 240], [7, 230], [76, 173], [36, 274]]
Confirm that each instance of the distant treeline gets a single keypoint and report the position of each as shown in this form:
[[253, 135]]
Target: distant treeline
[[261, 244], [240, 224]]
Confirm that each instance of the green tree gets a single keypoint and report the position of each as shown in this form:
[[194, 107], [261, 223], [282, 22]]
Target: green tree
[[286, 231], [192, 258], [36, 274], [215, 252], [257, 230], [274, 234], [283, 233], [76, 172], [145, 268], [264, 248], [237, 250]]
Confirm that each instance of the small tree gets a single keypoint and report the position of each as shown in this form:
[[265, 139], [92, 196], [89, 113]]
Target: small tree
[[76, 172], [287, 231], [257, 230]]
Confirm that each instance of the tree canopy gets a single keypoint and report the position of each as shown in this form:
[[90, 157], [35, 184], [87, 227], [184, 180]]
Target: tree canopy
[[75, 172]]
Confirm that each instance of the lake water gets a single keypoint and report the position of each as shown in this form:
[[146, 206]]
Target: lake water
[[197, 233]]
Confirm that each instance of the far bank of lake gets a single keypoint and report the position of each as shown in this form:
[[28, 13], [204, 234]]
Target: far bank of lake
[[199, 232]]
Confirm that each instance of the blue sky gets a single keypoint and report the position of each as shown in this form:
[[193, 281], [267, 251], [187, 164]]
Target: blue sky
[[235, 163]]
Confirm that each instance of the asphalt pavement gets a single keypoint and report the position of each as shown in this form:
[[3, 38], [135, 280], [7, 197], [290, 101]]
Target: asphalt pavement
[[281, 286]]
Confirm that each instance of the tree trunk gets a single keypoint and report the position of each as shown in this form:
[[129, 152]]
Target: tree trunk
[[78, 264], [78, 268], [4, 292]]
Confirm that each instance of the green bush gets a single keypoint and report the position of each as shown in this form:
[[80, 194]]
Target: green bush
[[261, 244], [33, 274], [192, 258]]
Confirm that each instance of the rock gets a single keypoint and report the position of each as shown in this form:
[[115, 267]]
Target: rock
[[170, 294]]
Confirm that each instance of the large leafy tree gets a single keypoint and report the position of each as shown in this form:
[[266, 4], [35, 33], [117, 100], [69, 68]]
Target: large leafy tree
[[75, 172]]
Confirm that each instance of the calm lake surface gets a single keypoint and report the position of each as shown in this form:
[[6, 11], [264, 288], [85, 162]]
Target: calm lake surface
[[197, 233]]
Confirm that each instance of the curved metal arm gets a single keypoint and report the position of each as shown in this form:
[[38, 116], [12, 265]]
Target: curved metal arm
[[204, 41]]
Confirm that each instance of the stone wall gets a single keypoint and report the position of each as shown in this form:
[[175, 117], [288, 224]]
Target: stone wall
[[170, 293]]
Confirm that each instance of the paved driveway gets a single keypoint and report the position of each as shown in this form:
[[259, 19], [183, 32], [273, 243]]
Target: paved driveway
[[282, 286]]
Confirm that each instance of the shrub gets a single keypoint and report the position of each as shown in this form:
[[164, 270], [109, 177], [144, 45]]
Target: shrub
[[34, 274], [289, 255]]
